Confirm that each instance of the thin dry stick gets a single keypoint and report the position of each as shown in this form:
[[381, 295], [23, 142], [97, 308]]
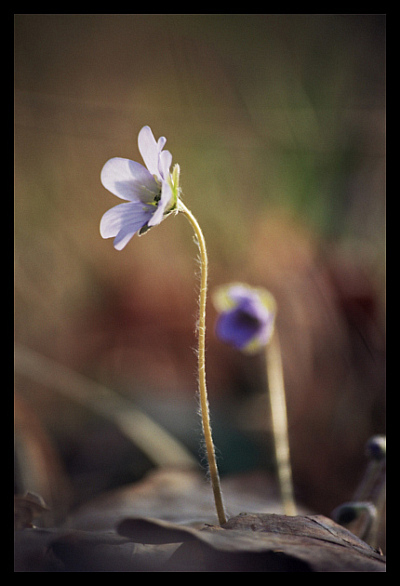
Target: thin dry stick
[[279, 423], [212, 463]]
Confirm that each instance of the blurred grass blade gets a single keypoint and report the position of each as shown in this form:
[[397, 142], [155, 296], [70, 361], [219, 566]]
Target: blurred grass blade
[[151, 438]]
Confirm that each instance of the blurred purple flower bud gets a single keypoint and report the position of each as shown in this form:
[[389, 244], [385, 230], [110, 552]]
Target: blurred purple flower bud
[[376, 447], [246, 316]]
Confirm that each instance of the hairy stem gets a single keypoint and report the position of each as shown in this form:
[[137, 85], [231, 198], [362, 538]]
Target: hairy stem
[[205, 414]]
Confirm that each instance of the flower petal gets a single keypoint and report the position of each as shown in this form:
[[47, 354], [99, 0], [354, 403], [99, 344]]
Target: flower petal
[[123, 221], [150, 149], [123, 237], [129, 180], [163, 204], [164, 163], [237, 327]]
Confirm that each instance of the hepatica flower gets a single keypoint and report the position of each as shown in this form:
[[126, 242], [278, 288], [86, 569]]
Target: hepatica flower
[[151, 192], [246, 316]]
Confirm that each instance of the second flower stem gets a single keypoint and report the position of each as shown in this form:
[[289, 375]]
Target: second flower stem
[[212, 463], [279, 423]]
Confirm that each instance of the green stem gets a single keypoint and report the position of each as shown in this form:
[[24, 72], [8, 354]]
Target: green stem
[[212, 463], [279, 423]]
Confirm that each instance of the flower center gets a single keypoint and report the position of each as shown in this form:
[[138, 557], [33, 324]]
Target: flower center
[[247, 321]]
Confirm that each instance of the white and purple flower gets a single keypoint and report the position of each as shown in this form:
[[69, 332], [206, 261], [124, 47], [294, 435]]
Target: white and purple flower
[[151, 193], [246, 316]]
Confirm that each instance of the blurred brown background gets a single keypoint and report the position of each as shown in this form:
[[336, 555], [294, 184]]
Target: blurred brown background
[[278, 124]]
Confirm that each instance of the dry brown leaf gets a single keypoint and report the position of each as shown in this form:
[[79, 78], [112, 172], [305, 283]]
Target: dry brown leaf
[[167, 523], [260, 542], [27, 508]]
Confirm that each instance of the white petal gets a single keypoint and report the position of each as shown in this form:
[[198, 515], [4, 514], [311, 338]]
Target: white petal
[[164, 163], [129, 180], [163, 204], [150, 149], [124, 217], [123, 237]]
